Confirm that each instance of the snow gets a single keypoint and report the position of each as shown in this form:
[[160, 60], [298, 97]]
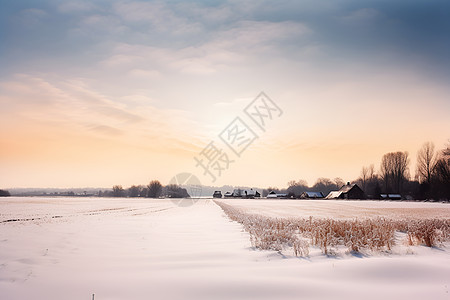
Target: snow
[[155, 249], [342, 209], [333, 195]]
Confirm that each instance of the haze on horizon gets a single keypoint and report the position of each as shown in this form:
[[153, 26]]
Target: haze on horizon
[[99, 93]]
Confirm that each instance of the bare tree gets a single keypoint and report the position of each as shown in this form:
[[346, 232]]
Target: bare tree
[[143, 191], [134, 191], [324, 185], [394, 170], [154, 189], [372, 174], [441, 176], [118, 191], [339, 182], [367, 176], [175, 191], [295, 189], [364, 177], [426, 162], [291, 183]]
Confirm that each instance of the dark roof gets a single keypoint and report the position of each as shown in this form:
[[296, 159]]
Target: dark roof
[[314, 194], [343, 190], [346, 188]]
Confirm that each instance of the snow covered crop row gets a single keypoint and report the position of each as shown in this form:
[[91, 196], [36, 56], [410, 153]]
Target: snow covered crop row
[[298, 234]]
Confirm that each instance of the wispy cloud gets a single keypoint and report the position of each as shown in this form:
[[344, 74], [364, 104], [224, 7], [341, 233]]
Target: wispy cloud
[[72, 104]]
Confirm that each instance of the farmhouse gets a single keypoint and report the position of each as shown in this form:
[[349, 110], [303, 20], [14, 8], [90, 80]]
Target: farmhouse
[[348, 191], [238, 193], [311, 195], [251, 194], [273, 194]]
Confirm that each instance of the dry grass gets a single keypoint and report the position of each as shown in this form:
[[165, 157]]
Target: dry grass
[[371, 234], [431, 232]]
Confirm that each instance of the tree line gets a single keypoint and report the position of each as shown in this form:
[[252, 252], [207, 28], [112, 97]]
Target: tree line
[[4, 193], [153, 190], [431, 179]]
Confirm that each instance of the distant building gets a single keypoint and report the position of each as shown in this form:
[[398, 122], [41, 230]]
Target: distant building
[[251, 194], [238, 193], [311, 195], [348, 191], [228, 195], [390, 197], [272, 195]]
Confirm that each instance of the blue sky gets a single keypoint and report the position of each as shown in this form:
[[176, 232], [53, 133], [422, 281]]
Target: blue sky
[[157, 80], [54, 30]]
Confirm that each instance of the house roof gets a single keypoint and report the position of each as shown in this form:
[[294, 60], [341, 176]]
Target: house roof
[[395, 195], [250, 192], [314, 194], [346, 188], [333, 194], [343, 190], [390, 196]]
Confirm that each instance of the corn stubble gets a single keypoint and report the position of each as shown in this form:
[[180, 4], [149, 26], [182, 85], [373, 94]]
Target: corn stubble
[[376, 234]]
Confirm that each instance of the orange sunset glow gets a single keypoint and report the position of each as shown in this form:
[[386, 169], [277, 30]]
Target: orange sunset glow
[[133, 91]]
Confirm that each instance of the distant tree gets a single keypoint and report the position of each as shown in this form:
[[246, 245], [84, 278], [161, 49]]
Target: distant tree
[[4, 193], [107, 193], [118, 191], [376, 191], [339, 182], [134, 191], [324, 185], [143, 191], [154, 189], [175, 191], [394, 170], [441, 178], [266, 192], [296, 188], [426, 163], [291, 183], [367, 174]]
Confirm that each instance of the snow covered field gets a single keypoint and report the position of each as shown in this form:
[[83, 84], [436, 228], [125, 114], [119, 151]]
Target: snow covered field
[[342, 209], [71, 248]]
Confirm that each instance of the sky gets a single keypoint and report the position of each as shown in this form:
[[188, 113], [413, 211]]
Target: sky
[[99, 93]]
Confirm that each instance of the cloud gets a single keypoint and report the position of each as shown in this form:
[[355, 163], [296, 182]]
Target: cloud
[[228, 47], [75, 7], [259, 33], [156, 16], [73, 106], [144, 74], [236, 103], [31, 17], [362, 15], [108, 130]]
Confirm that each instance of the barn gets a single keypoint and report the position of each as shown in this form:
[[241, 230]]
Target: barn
[[348, 191]]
